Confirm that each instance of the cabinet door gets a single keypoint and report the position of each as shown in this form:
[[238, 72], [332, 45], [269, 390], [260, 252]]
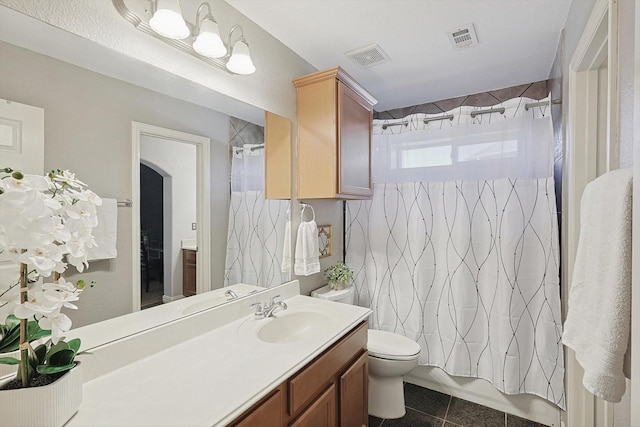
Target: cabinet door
[[322, 411], [354, 385], [277, 150], [188, 272], [269, 413], [354, 144]]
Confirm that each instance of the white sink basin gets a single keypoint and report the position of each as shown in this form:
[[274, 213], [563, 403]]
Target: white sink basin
[[293, 326], [303, 321]]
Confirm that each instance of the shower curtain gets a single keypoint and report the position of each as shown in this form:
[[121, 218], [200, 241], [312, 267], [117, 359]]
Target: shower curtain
[[458, 248], [256, 233]]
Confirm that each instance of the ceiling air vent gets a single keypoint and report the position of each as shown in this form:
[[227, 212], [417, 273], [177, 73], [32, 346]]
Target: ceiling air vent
[[368, 56], [463, 37]]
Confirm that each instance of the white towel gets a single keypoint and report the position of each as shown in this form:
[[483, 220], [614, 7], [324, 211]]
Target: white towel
[[598, 321], [106, 232], [286, 249], [307, 259]]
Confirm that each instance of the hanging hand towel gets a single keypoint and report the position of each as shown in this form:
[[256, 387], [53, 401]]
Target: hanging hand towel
[[307, 259], [106, 232], [598, 321], [286, 249]]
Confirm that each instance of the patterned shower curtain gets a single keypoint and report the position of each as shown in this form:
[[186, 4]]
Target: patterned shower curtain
[[467, 266], [256, 233]]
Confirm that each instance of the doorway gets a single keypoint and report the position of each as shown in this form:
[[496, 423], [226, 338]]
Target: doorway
[[151, 236], [200, 165]]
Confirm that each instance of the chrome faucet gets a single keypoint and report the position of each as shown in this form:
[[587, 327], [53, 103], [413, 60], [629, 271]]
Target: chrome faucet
[[230, 293], [268, 309]]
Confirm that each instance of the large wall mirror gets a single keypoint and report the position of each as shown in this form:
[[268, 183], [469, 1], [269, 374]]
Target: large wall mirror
[[198, 169]]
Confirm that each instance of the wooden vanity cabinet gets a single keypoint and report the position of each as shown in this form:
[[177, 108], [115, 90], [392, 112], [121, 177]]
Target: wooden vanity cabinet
[[331, 390], [334, 119], [188, 272]]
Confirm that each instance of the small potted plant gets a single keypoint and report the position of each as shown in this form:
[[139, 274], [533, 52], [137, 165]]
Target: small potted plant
[[338, 276], [46, 223]]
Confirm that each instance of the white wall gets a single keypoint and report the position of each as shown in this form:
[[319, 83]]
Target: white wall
[[177, 160]]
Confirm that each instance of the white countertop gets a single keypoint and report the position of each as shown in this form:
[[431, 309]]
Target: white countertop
[[211, 378]]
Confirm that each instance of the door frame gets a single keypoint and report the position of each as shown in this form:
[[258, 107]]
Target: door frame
[[584, 156], [203, 210]]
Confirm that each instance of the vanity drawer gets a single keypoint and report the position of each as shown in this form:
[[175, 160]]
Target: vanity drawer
[[313, 379]]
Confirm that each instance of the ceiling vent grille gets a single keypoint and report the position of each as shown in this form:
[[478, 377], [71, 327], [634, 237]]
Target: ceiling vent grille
[[463, 37], [368, 56]]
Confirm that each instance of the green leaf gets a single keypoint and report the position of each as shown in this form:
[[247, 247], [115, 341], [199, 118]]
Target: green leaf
[[9, 360], [61, 357], [12, 321], [41, 353], [61, 346], [44, 369], [74, 345], [34, 331]]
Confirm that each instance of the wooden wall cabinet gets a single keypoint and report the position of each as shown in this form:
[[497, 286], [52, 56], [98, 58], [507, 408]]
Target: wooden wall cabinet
[[188, 272], [334, 119], [332, 390]]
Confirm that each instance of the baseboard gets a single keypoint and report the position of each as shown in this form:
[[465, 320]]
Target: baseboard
[[167, 298]]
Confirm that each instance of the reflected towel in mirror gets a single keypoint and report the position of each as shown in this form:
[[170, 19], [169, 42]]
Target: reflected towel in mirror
[[106, 232]]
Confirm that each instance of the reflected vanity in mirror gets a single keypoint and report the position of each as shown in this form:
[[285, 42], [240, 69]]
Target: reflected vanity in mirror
[[90, 123]]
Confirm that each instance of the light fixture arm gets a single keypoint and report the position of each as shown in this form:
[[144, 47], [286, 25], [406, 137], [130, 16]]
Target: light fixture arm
[[242, 39], [208, 15]]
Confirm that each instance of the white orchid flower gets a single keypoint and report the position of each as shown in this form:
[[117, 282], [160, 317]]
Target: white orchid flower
[[68, 178], [58, 325], [46, 223], [37, 305]]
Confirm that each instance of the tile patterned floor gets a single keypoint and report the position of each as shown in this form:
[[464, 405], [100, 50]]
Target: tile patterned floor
[[428, 408]]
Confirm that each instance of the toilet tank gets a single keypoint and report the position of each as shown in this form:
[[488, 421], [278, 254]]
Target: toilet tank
[[343, 295]]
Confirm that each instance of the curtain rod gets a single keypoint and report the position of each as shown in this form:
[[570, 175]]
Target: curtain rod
[[252, 149], [427, 120], [476, 113]]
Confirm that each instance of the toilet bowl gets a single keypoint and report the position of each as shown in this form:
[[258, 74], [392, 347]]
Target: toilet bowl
[[391, 356]]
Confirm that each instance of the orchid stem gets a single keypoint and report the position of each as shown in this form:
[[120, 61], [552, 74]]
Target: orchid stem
[[24, 340]]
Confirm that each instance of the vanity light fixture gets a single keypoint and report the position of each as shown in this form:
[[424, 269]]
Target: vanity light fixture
[[208, 42], [167, 22], [167, 19], [240, 60]]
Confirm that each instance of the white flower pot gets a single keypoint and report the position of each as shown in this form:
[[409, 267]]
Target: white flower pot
[[50, 405]]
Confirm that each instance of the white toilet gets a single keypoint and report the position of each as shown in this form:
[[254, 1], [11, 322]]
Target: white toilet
[[391, 356]]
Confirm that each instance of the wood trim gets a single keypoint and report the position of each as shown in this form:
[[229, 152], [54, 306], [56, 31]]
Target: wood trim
[[332, 74]]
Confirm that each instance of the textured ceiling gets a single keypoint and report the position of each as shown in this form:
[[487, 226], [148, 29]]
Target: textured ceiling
[[517, 42]]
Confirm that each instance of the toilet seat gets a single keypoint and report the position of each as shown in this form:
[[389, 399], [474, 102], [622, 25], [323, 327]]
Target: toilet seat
[[391, 346]]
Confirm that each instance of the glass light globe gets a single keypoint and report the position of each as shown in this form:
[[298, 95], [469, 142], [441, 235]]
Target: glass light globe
[[240, 61], [208, 43], [168, 22]]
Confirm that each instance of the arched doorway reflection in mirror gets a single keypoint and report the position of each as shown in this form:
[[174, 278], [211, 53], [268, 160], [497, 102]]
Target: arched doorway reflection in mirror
[[151, 235]]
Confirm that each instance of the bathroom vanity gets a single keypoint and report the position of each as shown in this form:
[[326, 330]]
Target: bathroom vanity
[[304, 366], [329, 391]]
